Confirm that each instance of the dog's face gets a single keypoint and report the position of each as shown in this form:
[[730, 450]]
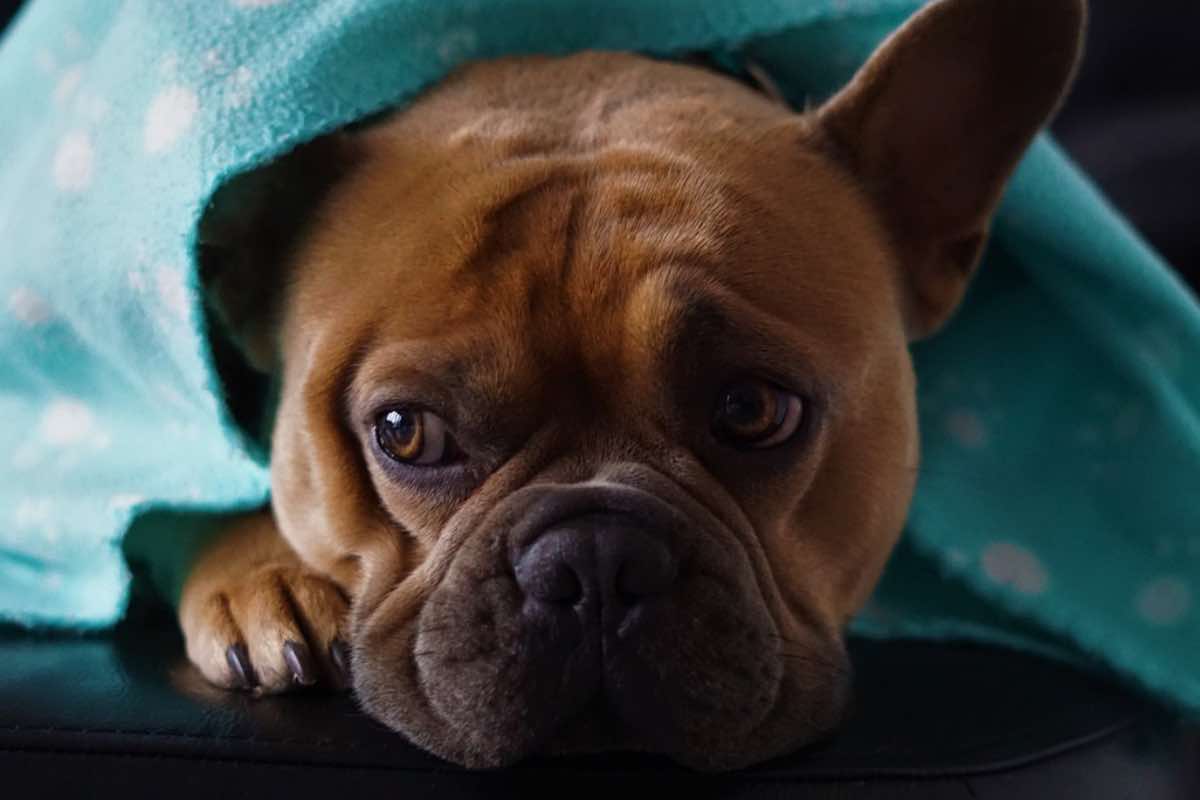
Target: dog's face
[[596, 390]]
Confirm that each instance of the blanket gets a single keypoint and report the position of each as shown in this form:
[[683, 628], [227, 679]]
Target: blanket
[[1058, 505]]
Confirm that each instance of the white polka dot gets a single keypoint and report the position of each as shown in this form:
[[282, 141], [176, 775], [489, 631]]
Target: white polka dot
[[67, 83], [66, 422], [136, 279], [27, 455], [1011, 565], [93, 107], [46, 61], [967, 429], [169, 117], [1157, 345], [171, 291], [28, 306], [239, 88], [74, 162], [957, 558], [32, 513], [169, 65], [211, 59], [37, 515], [1164, 601], [172, 395]]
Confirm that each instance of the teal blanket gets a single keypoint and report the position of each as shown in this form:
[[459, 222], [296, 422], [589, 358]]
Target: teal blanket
[[1058, 503]]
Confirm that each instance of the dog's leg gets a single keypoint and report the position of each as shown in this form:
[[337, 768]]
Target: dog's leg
[[255, 617]]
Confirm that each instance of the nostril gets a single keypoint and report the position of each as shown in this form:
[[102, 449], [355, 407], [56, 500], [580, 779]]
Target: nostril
[[548, 570], [646, 573], [559, 585]]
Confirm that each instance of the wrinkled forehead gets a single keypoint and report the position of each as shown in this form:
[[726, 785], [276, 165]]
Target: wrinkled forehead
[[600, 260]]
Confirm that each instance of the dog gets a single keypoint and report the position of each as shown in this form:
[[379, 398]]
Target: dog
[[596, 417]]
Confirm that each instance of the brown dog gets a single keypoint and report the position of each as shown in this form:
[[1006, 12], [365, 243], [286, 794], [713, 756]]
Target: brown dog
[[596, 415]]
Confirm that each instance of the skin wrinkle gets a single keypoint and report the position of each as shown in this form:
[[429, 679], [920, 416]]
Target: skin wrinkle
[[743, 531], [677, 314], [452, 535], [754, 324], [578, 206]]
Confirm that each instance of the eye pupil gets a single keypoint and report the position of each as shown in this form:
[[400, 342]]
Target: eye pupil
[[400, 423], [743, 405], [399, 434], [414, 436], [755, 413]]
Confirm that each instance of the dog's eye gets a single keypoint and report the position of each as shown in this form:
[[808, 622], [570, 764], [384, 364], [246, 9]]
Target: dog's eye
[[753, 413], [412, 436]]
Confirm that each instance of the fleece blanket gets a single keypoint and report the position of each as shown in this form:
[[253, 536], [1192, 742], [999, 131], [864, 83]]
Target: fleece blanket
[[1057, 505]]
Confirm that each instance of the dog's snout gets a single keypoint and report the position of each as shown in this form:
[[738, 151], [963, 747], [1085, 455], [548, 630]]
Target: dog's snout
[[605, 560]]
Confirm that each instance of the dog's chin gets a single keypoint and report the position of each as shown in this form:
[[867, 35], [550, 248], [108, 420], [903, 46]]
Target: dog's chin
[[807, 710]]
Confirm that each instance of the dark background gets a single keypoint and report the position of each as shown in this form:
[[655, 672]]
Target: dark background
[[1132, 121]]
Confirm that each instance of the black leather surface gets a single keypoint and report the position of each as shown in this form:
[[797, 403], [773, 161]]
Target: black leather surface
[[127, 714]]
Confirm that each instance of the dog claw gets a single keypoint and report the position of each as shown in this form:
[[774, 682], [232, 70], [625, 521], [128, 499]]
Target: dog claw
[[300, 662], [238, 659], [339, 655]]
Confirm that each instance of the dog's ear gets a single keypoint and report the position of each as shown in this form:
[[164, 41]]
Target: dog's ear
[[250, 231], [936, 121]]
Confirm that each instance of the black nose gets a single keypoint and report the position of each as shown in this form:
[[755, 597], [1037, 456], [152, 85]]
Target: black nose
[[601, 559]]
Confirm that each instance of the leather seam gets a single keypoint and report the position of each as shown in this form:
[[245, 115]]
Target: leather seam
[[818, 775], [196, 737]]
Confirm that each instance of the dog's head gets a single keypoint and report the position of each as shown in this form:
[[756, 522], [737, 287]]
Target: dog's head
[[596, 393]]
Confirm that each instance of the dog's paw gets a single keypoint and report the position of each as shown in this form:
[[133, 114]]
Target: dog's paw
[[278, 629]]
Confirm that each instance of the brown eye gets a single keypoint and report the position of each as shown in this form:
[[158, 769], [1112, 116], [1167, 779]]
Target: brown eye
[[752, 413], [412, 436]]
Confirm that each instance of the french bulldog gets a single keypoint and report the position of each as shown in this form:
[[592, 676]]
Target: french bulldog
[[596, 414]]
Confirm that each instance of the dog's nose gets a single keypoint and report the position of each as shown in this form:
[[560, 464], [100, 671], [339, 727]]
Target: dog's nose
[[603, 559]]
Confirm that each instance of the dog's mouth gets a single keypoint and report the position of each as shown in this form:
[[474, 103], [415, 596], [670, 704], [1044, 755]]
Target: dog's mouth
[[613, 621]]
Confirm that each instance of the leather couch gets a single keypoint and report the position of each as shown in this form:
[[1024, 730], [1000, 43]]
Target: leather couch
[[125, 715]]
